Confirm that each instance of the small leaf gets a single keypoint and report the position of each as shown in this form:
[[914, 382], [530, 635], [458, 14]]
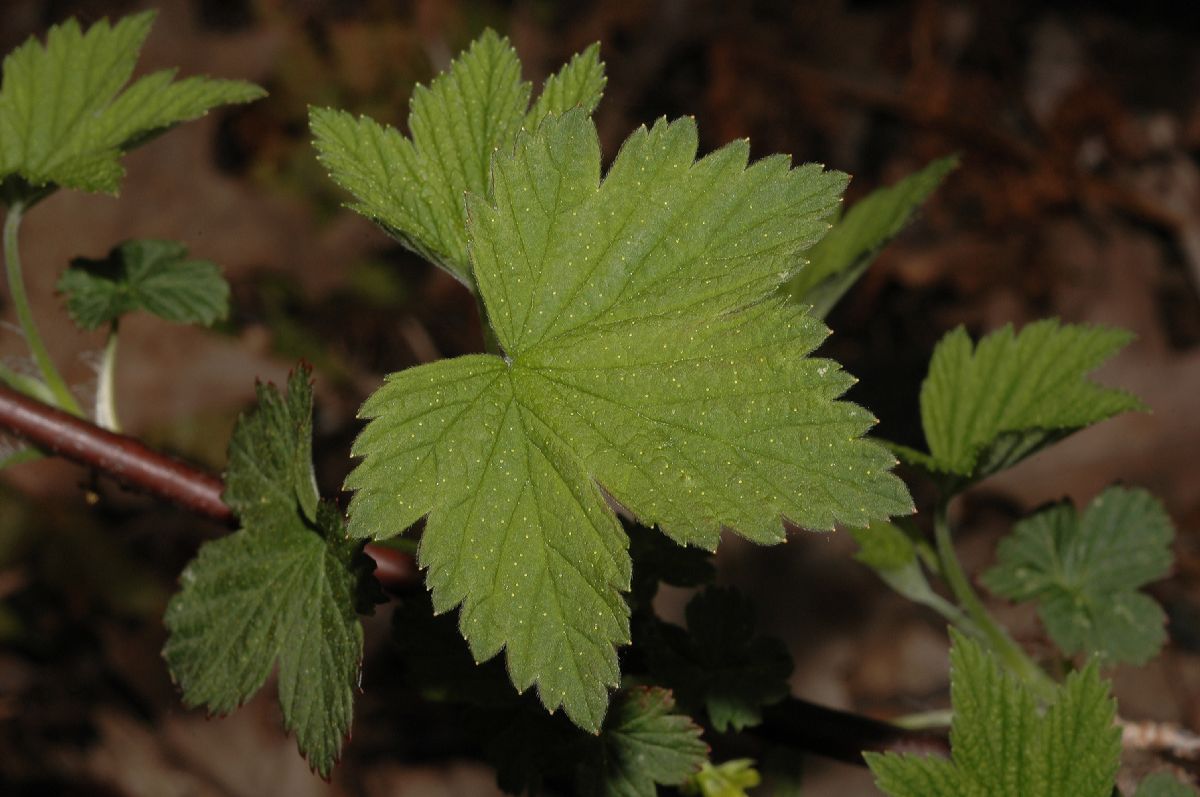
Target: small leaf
[[644, 742], [64, 120], [415, 187], [847, 251], [1084, 573], [579, 84], [644, 355], [154, 276], [718, 664], [728, 779], [1001, 745], [986, 408], [284, 589], [1162, 784]]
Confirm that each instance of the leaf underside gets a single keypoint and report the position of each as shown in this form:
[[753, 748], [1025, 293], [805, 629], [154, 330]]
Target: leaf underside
[[65, 119], [1084, 573], [415, 187], [644, 356], [1003, 747], [986, 407], [154, 276], [281, 590]]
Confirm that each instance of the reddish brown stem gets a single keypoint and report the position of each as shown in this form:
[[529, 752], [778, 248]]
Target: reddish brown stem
[[795, 723], [137, 466]]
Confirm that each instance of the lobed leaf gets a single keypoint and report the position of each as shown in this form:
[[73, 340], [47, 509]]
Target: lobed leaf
[[1001, 745], [718, 664], [838, 260], [154, 276], [284, 589], [1084, 573], [643, 743], [643, 355], [64, 119], [415, 188], [728, 779], [986, 407]]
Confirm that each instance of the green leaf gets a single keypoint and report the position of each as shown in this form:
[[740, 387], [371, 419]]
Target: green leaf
[[1084, 573], [579, 84], [415, 187], [643, 357], [985, 408], [1001, 745], [154, 276], [718, 664], [283, 589], [729, 779], [64, 119], [1162, 784], [892, 554], [844, 255], [644, 742]]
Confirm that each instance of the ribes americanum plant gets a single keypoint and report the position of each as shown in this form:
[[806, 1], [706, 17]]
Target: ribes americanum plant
[[648, 385]]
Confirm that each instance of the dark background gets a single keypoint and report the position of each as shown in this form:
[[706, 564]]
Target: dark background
[[1078, 197]]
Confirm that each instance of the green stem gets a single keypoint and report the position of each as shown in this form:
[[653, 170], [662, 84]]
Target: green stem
[[1010, 653], [16, 287], [106, 389]]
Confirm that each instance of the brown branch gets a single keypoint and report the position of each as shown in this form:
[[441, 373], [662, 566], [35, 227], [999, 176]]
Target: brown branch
[[137, 466], [795, 723]]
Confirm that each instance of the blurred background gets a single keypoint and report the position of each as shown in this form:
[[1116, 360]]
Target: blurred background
[[1078, 196]]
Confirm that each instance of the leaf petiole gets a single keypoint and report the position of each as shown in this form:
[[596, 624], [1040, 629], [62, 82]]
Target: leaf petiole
[[106, 394], [62, 395]]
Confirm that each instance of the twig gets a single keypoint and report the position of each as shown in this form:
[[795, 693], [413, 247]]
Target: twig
[[139, 467], [796, 723]]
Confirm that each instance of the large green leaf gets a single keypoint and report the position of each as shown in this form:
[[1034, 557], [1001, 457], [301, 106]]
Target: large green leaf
[[844, 255], [1001, 745], [1084, 573], [284, 589], [986, 407], [415, 187], [64, 119], [642, 357], [154, 276]]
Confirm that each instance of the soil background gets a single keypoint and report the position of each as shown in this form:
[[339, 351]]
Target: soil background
[[1078, 125]]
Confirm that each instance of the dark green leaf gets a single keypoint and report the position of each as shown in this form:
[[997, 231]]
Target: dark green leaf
[[154, 276], [1084, 573], [718, 664]]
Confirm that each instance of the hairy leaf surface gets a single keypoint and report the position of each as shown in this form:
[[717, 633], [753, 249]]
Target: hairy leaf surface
[[842, 256], [65, 120], [283, 590], [416, 187], [986, 407], [642, 357], [1003, 747], [154, 276], [1084, 573]]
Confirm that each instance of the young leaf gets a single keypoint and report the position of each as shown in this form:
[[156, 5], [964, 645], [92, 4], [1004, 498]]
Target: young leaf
[[985, 408], [154, 276], [1161, 784], [415, 187], [1002, 747], [285, 588], [843, 255], [718, 664], [64, 119], [728, 779], [1085, 573], [644, 742], [890, 552], [642, 355]]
